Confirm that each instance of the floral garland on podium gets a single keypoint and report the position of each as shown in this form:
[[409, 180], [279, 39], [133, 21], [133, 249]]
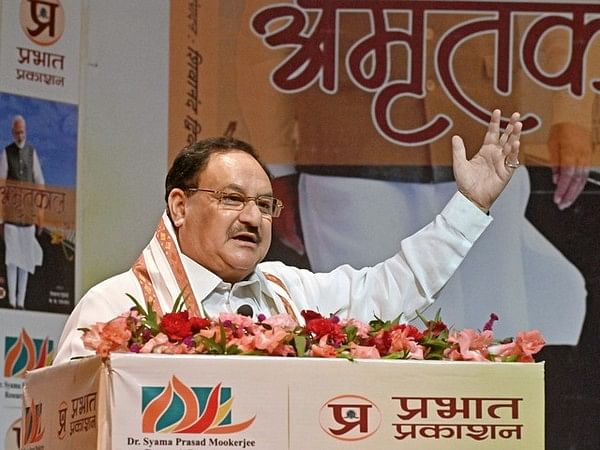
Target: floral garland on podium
[[142, 331]]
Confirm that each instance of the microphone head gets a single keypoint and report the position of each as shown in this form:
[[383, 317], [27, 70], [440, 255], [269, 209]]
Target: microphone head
[[245, 310]]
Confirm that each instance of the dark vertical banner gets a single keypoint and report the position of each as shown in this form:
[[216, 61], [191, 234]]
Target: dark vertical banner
[[39, 117]]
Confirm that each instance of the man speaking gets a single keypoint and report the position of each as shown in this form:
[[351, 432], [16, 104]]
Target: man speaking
[[216, 230]]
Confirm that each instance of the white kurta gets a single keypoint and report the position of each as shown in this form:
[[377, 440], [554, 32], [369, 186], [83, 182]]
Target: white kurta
[[514, 271], [402, 284], [22, 248]]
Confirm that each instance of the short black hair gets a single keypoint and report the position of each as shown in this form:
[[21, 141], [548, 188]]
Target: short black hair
[[192, 160]]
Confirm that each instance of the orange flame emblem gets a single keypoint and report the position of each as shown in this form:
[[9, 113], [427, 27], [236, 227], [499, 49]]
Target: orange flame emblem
[[209, 420]]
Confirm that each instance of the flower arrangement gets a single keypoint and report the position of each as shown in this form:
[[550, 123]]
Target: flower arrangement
[[141, 331]]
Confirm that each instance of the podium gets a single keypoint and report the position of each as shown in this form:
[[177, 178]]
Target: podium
[[189, 402]]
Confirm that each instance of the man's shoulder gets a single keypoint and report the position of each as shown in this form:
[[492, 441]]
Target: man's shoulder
[[13, 147], [116, 285], [107, 299]]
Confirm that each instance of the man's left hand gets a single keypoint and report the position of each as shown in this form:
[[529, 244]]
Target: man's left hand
[[482, 178]]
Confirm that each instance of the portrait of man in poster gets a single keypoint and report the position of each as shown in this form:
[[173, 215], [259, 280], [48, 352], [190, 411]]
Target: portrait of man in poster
[[19, 162]]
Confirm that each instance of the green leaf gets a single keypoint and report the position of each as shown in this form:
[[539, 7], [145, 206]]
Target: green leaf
[[140, 309], [351, 332], [179, 302], [345, 355], [223, 340], [233, 350], [421, 317], [149, 317], [300, 344], [211, 345]]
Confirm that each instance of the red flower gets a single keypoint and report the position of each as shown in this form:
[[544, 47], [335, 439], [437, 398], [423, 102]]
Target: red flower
[[410, 331], [198, 323], [176, 325], [310, 315], [327, 327], [436, 327], [320, 327], [382, 341]]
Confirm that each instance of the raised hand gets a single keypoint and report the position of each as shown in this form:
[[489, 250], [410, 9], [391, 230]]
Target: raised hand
[[482, 178]]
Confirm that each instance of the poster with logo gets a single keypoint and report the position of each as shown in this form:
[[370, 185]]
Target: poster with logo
[[27, 341], [39, 92]]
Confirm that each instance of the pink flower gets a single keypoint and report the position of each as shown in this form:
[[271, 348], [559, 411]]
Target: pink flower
[[452, 354], [418, 352], [530, 342], [244, 343], [404, 339], [92, 338], [472, 346], [281, 321], [237, 320], [174, 348], [270, 339], [362, 329], [323, 349], [363, 351], [117, 331], [284, 350], [155, 343], [112, 336], [522, 349], [505, 352]]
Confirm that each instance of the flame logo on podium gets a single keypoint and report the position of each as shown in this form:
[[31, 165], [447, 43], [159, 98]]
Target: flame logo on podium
[[31, 430], [24, 353], [178, 408]]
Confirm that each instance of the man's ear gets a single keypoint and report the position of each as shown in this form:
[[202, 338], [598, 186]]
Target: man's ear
[[176, 204]]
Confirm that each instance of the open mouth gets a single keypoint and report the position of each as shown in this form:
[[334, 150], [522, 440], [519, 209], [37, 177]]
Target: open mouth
[[247, 237]]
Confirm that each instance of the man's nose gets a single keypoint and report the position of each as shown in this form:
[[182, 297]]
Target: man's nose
[[250, 213]]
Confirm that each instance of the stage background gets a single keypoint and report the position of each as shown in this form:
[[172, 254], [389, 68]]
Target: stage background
[[131, 119]]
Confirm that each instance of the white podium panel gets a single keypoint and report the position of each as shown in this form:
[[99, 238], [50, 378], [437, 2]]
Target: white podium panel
[[161, 402]]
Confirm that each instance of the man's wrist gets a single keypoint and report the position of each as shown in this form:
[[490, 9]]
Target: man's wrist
[[481, 207]]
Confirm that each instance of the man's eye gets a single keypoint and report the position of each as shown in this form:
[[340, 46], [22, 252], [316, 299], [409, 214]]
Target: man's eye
[[265, 204], [233, 199]]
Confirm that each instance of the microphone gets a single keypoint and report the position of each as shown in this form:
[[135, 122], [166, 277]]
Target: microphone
[[245, 310]]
